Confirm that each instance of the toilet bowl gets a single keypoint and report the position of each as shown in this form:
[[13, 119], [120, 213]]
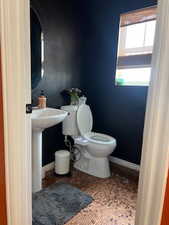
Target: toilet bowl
[[94, 147], [100, 145]]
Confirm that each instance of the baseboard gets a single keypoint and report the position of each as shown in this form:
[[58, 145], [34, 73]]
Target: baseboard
[[115, 160], [124, 163], [47, 168]]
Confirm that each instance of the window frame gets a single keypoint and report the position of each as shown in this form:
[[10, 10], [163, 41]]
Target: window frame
[[130, 58]]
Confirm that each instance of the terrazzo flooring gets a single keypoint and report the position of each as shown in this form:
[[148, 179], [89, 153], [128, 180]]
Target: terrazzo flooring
[[114, 198]]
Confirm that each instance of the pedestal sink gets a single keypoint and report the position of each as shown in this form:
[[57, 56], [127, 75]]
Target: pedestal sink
[[41, 119]]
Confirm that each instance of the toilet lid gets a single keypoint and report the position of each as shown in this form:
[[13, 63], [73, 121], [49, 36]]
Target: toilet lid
[[84, 119]]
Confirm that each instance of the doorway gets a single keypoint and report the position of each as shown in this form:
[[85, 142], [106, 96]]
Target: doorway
[[152, 172]]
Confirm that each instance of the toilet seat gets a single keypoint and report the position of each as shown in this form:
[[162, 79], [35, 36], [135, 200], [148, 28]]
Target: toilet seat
[[84, 119], [85, 124], [99, 138]]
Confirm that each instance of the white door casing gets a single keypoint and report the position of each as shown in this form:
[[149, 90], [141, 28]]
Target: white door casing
[[15, 48], [155, 152]]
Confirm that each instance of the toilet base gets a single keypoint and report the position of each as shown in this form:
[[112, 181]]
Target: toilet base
[[98, 167]]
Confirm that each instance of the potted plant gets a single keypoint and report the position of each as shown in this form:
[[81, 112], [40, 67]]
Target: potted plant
[[74, 94]]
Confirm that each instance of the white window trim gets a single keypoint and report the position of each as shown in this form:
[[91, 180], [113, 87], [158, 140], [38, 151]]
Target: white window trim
[[136, 51]]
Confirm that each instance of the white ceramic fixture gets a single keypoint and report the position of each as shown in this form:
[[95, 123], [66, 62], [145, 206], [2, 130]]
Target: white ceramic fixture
[[94, 147], [41, 119]]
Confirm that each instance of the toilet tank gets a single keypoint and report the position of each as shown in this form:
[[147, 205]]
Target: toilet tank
[[69, 124]]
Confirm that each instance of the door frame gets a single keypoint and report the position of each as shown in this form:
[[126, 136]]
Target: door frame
[[15, 49], [16, 81], [155, 150]]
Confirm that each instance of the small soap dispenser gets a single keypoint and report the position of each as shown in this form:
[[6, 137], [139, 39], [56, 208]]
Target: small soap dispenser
[[42, 100]]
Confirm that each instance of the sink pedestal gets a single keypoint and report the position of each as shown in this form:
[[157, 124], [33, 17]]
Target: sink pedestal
[[36, 160], [41, 120]]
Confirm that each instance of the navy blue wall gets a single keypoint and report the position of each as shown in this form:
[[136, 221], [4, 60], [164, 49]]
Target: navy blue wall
[[62, 58], [118, 111]]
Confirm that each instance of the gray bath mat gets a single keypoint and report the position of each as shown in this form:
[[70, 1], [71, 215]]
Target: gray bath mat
[[57, 204]]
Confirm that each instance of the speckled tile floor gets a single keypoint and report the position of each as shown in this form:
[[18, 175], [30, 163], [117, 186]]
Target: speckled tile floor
[[114, 198]]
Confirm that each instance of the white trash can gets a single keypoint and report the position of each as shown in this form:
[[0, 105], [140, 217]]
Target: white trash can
[[62, 162]]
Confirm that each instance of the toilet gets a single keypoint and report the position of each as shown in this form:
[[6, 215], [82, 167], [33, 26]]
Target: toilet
[[94, 148]]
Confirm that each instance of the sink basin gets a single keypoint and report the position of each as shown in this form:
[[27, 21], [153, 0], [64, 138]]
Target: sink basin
[[48, 117], [41, 119]]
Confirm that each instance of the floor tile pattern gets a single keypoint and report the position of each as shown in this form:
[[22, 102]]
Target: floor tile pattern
[[114, 198]]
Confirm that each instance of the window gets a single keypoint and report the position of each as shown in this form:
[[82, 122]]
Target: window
[[136, 39]]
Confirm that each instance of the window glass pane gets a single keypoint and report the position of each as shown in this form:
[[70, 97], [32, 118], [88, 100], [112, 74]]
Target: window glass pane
[[150, 33], [133, 76], [136, 40], [135, 35]]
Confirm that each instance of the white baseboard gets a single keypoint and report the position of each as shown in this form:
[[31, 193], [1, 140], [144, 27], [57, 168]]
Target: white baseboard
[[47, 168], [124, 163], [115, 160]]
